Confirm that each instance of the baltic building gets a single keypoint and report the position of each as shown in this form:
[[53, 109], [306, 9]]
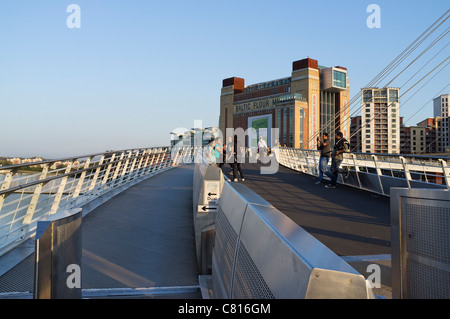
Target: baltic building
[[312, 100]]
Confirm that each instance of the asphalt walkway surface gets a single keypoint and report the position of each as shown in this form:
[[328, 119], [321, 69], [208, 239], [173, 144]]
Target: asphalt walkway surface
[[347, 220], [141, 238]]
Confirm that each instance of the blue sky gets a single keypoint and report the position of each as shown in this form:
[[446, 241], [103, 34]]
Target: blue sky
[[137, 70]]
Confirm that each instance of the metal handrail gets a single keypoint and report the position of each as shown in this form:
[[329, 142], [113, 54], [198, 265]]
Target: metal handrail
[[79, 184], [48, 179], [49, 161], [413, 169]]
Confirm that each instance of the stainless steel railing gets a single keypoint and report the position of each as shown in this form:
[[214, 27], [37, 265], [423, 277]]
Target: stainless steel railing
[[376, 172], [26, 197]]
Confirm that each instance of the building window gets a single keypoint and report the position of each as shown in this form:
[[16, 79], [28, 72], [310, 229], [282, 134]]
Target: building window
[[301, 128], [291, 125], [284, 126], [393, 96], [279, 118], [339, 79], [367, 96]]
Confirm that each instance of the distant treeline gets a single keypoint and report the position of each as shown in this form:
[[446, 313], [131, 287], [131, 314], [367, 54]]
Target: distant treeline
[[25, 168]]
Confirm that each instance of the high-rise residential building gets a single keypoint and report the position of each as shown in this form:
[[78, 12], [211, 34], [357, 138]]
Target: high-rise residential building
[[355, 133], [431, 125], [312, 100], [380, 127], [441, 114]]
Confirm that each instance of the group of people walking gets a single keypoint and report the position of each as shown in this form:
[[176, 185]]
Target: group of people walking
[[341, 146], [219, 154]]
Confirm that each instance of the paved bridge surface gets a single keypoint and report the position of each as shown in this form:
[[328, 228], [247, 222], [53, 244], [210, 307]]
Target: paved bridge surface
[[141, 241], [347, 220]]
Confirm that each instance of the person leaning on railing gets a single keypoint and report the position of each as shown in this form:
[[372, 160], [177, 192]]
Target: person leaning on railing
[[341, 146], [323, 145], [210, 152]]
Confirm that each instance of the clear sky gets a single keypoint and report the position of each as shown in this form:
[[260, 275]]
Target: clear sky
[[136, 70]]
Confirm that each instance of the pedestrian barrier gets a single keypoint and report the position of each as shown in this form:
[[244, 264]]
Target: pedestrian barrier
[[375, 172], [31, 191], [420, 223], [259, 253], [57, 272], [207, 187]]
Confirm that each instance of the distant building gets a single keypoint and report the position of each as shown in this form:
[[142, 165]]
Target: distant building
[[188, 138], [423, 138], [313, 99], [417, 139], [355, 133], [441, 114], [431, 133], [405, 140], [380, 123]]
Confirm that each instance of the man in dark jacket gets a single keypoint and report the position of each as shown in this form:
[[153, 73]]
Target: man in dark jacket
[[323, 145], [341, 146]]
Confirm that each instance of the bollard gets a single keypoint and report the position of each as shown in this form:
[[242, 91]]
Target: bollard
[[57, 272]]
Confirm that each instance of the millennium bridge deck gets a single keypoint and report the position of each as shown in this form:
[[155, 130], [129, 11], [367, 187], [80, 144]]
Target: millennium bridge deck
[[141, 241], [140, 238]]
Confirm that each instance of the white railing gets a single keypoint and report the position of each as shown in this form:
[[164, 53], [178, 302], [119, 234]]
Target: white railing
[[376, 172], [26, 195]]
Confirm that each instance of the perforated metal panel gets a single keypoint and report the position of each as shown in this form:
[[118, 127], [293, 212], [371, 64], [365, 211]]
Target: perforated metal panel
[[259, 253], [428, 230], [223, 254], [420, 243], [57, 245], [68, 243], [248, 282]]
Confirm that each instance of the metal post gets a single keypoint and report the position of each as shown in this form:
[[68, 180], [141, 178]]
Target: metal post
[[81, 179], [374, 158], [116, 172], [5, 185], [34, 200], [60, 191], [97, 172], [356, 170], [406, 170], [108, 169], [445, 172]]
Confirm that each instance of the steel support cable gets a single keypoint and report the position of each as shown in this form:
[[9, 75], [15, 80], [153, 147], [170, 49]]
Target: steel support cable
[[333, 119], [431, 45], [434, 43], [373, 117], [424, 66], [388, 69], [421, 54], [426, 146], [420, 107], [408, 90]]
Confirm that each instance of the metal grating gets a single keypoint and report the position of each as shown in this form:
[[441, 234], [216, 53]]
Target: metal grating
[[425, 282], [248, 282], [427, 248], [427, 231], [19, 278], [68, 243], [224, 250]]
